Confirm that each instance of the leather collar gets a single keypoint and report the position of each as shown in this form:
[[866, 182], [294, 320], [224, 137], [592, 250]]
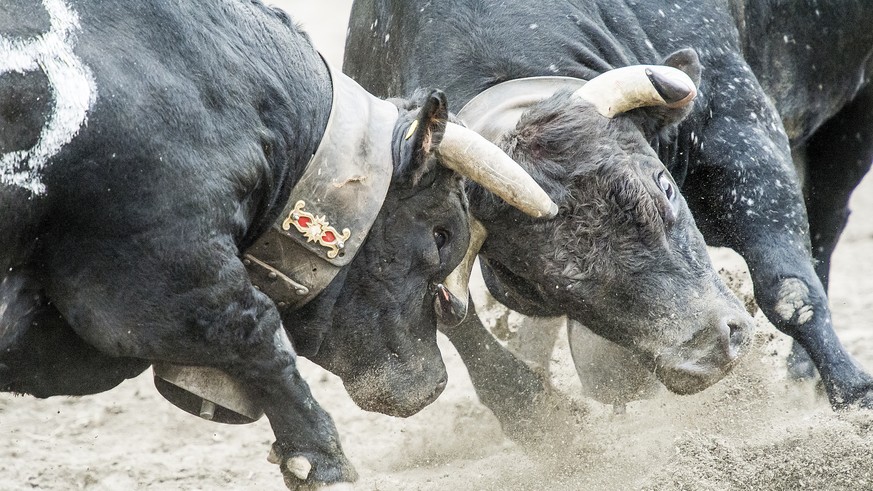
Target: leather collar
[[331, 209], [496, 111]]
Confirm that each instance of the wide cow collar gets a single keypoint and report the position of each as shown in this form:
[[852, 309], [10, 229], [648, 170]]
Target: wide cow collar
[[323, 224], [496, 111], [331, 209]]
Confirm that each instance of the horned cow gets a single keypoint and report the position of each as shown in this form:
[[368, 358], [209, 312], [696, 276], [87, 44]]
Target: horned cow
[[781, 84]]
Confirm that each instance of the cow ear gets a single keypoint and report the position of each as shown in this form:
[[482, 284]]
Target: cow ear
[[420, 137], [687, 61]]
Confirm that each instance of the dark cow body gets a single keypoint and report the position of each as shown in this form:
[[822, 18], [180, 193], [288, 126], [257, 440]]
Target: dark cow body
[[172, 136], [782, 83]]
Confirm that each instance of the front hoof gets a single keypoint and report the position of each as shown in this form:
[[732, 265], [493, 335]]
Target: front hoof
[[313, 471], [865, 402]]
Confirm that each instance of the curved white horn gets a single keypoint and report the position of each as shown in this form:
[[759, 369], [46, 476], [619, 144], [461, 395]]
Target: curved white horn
[[630, 87], [452, 308], [470, 154]]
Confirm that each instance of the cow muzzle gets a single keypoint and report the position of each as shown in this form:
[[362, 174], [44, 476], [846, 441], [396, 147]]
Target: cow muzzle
[[708, 355], [397, 391]]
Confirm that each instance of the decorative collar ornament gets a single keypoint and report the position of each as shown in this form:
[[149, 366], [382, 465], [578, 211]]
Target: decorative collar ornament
[[316, 229]]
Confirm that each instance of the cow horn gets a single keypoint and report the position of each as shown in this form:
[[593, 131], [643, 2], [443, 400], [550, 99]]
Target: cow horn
[[622, 89], [471, 155], [453, 296]]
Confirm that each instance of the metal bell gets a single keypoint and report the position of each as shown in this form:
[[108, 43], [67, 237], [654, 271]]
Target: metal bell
[[206, 392]]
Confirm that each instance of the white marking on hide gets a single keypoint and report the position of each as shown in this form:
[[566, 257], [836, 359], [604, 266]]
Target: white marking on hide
[[793, 300], [74, 92], [282, 343], [805, 314]]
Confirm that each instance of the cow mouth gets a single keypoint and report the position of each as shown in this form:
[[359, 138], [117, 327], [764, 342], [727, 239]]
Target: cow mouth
[[690, 377], [375, 393]]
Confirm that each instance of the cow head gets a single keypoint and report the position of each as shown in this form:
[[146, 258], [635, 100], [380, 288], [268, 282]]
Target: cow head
[[381, 308], [624, 255]]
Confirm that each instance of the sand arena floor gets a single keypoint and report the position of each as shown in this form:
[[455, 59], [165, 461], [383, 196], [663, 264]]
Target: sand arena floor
[[753, 430]]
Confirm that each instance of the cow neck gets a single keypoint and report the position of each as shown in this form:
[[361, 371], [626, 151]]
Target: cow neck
[[334, 204], [496, 111]]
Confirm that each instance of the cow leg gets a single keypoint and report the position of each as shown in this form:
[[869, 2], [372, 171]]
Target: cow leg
[[837, 157], [794, 300], [535, 339], [609, 373], [520, 398], [746, 197], [193, 304], [42, 356]]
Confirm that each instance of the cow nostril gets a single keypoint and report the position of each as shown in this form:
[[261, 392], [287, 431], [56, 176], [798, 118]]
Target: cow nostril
[[737, 332], [736, 336]]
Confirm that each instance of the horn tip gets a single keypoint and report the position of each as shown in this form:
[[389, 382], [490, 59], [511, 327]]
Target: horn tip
[[675, 90], [553, 211], [540, 211]]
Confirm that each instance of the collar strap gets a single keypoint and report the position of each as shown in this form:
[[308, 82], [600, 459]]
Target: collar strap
[[332, 208], [496, 111]]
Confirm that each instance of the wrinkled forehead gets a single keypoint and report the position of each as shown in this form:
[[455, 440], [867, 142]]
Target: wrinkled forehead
[[631, 190], [566, 128], [447, 197], [438, 199]]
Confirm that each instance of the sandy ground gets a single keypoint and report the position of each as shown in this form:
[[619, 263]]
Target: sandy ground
[[753, 430]]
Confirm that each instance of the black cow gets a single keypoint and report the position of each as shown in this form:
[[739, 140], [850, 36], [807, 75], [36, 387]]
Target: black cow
[[781, 83], [145, 146]]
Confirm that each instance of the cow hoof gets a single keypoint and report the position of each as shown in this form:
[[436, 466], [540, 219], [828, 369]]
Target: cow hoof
[[865, 401], [858, 398], [313, 471]]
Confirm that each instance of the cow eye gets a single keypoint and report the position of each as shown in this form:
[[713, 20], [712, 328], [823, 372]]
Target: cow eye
[[440, 237], [666, 185]]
